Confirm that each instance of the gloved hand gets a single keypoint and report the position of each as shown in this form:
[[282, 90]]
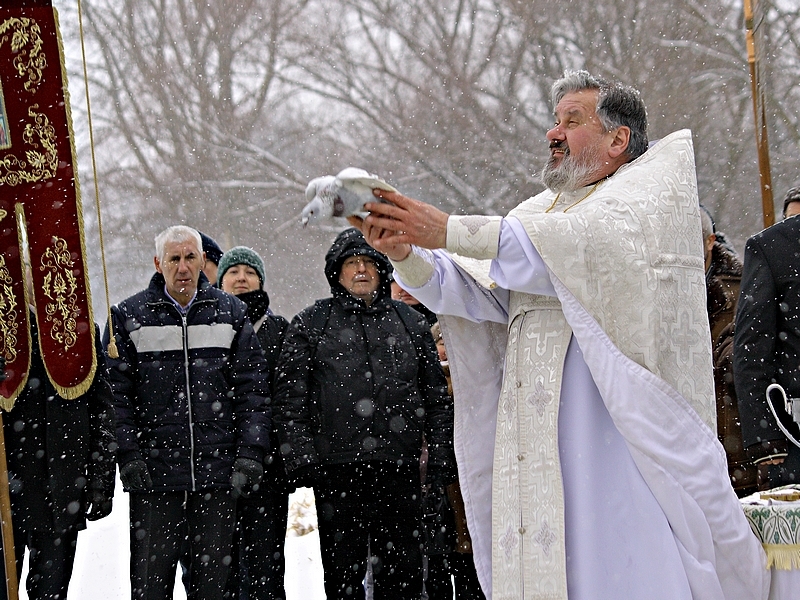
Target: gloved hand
[[247, 473], [99, 505], [135, 476]]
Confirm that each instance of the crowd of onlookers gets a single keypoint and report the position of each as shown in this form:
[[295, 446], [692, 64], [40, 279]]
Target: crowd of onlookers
[[215, 409]]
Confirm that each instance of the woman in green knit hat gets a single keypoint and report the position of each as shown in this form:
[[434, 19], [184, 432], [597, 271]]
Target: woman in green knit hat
[[261, 516]]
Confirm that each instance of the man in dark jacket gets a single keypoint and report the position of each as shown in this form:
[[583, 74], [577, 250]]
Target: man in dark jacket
[[767, 346], [191, 395], [358, 385], [61, 472]]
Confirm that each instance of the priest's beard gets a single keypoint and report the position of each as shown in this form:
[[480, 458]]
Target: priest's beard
[[574, 171]]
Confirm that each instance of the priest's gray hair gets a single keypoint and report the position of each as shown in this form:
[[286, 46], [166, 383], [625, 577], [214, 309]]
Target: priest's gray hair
[[177, 233], [617, 105]]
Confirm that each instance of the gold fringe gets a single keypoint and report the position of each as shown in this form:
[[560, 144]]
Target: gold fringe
[[112, 348], [72, 392], [783, 557]]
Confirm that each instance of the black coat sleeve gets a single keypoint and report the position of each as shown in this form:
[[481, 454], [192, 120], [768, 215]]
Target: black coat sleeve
[[122, 375], [102, 462], [249, 380], [292, 410], [754, 354]]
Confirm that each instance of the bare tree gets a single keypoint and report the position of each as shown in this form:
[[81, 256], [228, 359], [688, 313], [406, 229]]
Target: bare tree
[[218, 114], [197, 127]]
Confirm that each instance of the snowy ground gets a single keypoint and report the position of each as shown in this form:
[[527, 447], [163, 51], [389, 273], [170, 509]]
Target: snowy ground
[[101, 564]]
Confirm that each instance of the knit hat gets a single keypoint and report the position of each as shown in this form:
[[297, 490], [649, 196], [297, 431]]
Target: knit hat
[[241, 255], [211, 248], [793, 195]]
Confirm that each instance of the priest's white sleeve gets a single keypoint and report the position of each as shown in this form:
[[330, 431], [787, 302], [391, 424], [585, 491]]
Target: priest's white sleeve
[[437, 280]]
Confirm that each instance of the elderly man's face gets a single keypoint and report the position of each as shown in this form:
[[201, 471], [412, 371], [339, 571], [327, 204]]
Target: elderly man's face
[[360, 277], [181, 266], [577, 144]]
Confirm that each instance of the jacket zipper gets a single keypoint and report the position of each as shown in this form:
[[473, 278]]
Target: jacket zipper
[[185, 335], [188, 397]]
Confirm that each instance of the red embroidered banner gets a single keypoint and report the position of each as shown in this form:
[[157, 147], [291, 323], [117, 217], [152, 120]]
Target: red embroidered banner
[[39, 192]]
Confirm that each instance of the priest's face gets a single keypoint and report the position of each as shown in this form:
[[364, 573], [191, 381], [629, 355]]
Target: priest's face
[[577, 144]]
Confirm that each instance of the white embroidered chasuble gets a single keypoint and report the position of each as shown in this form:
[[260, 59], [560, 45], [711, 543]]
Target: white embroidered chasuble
[[626, 265], [527, 486]]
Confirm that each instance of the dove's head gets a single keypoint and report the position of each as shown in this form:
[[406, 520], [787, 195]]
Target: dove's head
[[320, 205], [312, 211]]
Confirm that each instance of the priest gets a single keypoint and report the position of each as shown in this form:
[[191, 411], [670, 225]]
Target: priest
[[581, 364]]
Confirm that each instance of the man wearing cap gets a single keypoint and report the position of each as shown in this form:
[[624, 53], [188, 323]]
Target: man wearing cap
[[358, 385], [213, 255], [258, 561], [767, 345]]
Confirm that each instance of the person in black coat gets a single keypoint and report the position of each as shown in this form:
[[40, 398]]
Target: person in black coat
[[767, 345], [358, 384], [192, 410], [61, 467], [259, 565]]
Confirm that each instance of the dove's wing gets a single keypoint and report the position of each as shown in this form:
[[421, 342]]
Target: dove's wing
[[317, 185], [355, 189], [353, 175]]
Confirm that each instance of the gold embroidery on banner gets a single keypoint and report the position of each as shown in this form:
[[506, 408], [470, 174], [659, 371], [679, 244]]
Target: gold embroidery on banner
[[3, 214], [39, 165], [60, 286], [25, 32], [8, 314]]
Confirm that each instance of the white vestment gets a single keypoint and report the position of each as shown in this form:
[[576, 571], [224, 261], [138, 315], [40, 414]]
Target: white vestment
[[619, 489]]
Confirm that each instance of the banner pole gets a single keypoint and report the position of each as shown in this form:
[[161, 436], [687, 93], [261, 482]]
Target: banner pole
[[760, 116], [5, 522]]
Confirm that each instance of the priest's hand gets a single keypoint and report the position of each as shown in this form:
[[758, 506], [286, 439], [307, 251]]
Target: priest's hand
[[393, 228]]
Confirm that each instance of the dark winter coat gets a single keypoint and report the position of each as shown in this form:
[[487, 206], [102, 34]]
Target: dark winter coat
[[365, 387], [57, 449], [270, 329], [722, 285], [767, 342], [191, 392]]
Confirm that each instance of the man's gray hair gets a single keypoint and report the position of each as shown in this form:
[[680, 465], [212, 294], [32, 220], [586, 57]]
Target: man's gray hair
[[177, 233], [617, 105]]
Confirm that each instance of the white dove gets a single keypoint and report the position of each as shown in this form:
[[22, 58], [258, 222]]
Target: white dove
[[341, 196]]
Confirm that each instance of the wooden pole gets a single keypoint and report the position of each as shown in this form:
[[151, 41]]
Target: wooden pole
[[5, 522], [759, 113]]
